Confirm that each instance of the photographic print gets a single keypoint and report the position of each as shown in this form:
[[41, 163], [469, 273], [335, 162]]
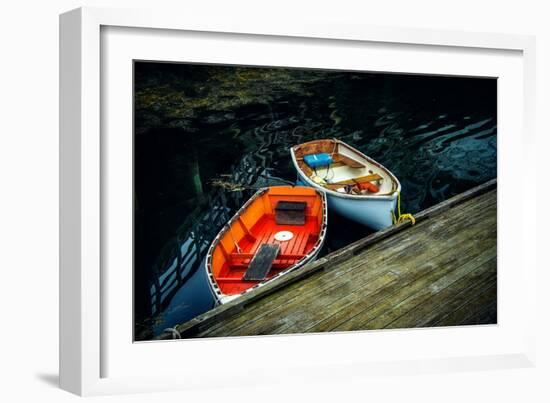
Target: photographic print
[[274, 200]]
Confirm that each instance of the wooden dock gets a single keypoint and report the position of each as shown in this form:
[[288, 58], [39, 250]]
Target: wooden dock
[[439, 272]]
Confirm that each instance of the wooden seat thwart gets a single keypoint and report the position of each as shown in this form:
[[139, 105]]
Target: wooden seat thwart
[[345, 160], [261, 262], [353, 181]]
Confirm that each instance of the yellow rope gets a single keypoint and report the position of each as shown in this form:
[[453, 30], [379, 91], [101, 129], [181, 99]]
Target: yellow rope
[[401, 217]]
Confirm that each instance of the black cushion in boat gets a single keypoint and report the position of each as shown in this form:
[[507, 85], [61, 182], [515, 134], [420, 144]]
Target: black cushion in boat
[[290, 212]]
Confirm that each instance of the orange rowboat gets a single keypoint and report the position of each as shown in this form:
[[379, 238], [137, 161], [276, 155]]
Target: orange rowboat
[[277, 231]]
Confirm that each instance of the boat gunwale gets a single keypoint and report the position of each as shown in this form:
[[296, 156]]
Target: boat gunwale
[[221, 297], [390, 196]]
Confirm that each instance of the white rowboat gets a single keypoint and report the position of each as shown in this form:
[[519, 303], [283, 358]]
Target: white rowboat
[[374, 209]]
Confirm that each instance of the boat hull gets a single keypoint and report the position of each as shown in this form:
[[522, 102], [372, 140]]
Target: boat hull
[[373, 213]]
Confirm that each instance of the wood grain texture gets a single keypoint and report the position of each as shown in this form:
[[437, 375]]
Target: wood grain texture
[[439, 272], [261, 262]]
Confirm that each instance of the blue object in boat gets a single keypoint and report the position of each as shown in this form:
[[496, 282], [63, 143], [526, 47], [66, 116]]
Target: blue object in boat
[[318, 160]]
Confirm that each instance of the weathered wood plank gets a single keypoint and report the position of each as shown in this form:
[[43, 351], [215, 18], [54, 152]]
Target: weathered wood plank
[[327, 290], [466, 314], [488, 316], [348, 300], [416, 311], [261, 262], [414, 276], [328, 281], [401, 276], [449, 299], [284, 320]]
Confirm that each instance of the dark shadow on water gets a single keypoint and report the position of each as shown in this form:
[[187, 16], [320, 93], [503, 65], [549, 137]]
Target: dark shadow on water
[[49, 379]]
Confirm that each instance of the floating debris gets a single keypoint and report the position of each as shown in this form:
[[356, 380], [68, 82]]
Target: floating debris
[[230, 186]]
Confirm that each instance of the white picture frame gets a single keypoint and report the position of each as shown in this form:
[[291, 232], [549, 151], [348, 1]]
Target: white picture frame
[[86, 311]]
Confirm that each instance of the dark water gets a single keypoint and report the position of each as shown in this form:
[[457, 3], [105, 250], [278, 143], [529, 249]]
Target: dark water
[[207, 136]]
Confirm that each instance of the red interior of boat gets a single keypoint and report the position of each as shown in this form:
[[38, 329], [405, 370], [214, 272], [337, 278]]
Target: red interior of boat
[[257, 226]]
